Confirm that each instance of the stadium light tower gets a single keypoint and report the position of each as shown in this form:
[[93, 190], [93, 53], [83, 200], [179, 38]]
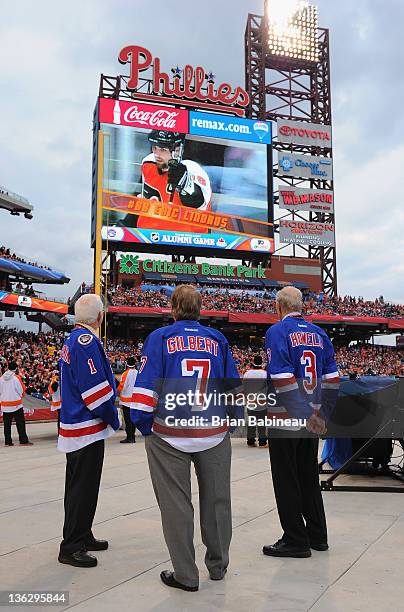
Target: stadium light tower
[[288, 78], [292, 30]]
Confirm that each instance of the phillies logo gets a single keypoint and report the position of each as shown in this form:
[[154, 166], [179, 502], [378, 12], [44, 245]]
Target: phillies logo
[[190, 83], [160, 118]]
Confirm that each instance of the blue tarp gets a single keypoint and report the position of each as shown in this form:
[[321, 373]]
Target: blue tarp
[[26, 270], [363, 395]]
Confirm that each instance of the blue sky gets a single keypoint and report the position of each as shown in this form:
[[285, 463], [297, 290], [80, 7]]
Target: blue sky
[[52, 56]]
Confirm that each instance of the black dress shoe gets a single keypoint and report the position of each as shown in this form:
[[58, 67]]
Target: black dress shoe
[[96, 545], [28, 443], [169, 580], [218, 575], [80, 558], [319, 546], [282, 549], [126, 441], [9, 443]]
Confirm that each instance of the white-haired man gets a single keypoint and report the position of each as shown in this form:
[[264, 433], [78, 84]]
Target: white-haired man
[[301, 366], [87, 417]]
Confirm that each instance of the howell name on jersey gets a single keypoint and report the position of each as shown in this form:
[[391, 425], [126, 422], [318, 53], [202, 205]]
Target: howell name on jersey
[[88, 392]]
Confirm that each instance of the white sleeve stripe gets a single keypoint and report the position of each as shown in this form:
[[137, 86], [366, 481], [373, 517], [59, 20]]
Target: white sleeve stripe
[[331, 375], [98, 387], [142, 407], [100, 401], [287, 388], [283, 375], [145, 392]]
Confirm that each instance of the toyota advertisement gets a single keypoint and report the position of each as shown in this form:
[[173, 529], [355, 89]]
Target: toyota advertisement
[[175, 178], [303, 133]]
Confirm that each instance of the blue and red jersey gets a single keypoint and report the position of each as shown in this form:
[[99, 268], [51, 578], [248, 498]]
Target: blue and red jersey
[[88, 392], [301, 367], [184, 368]]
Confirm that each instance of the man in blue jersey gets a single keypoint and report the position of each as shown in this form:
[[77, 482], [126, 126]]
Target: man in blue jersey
[[184, 368], [87, 417], [301, 367]]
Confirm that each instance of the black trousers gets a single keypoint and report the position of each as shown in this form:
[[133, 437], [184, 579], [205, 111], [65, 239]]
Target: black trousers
[[129, 426], [83, 476], [261, 429], [19, 418], [295, 477]]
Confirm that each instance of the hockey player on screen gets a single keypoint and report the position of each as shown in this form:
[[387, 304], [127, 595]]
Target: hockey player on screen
[[166, 177]]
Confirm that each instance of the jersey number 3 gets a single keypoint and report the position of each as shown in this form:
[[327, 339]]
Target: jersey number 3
[[308, 359]]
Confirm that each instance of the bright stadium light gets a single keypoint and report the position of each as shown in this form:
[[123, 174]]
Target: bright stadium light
[[292, 30]]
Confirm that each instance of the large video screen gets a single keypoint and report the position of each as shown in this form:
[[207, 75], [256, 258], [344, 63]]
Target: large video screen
[[172, 189]]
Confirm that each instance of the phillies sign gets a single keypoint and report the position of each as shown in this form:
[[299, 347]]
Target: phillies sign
[[300, 132], [194, 86], [136, 114]]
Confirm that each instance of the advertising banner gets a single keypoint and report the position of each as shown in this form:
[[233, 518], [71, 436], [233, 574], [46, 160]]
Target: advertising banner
[[304, 166], [300, 132], [314, 200], [214, 240], [307, 232], [138, 114], [32, 303], [233, 128]]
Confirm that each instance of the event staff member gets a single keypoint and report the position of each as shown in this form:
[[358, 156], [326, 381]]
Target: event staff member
[[177, 361], [301, 366], [88, 416], [54, 396], [125, 390], [12, 391], [255, 382]]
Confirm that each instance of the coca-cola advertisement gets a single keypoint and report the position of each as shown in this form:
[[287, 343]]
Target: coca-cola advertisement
[[137, 114]]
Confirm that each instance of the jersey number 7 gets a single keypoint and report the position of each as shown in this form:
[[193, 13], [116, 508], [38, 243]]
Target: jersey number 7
[[202, 368]]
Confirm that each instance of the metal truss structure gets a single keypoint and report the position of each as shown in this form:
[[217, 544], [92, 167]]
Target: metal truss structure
[[299, 90]]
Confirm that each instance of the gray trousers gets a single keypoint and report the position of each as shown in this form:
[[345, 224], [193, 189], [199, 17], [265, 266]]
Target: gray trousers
[[170, 471]]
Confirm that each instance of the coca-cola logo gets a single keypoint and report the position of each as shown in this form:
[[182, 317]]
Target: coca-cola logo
[[287, 130], [160, 118]]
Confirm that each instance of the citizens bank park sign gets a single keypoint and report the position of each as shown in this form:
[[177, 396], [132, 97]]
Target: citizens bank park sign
[[313, 200]]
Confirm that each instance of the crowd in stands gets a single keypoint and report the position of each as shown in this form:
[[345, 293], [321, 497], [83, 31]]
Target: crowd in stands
[[257, 301], [7, 254], [370, 360], [36, 356]]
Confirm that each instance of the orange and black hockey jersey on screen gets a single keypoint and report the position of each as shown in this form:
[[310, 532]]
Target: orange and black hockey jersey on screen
[[155, 187]]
